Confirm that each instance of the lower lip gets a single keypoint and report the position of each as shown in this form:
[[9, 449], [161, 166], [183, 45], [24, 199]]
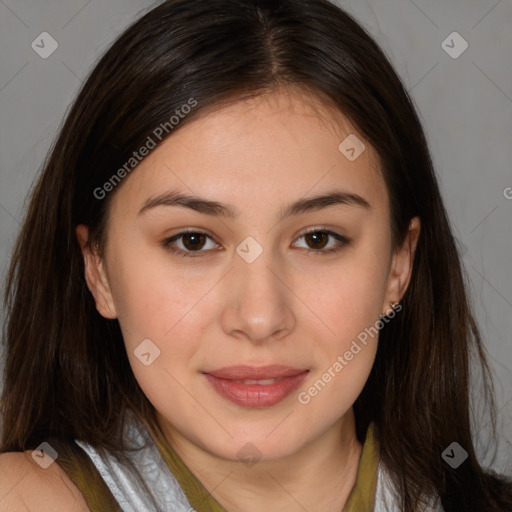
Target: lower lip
[[256, 395]]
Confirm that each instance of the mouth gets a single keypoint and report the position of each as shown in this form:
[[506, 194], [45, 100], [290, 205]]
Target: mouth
[[256, 387]]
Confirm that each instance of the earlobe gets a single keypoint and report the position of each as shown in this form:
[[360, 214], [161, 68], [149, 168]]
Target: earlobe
[[402, 265], [95, 275]]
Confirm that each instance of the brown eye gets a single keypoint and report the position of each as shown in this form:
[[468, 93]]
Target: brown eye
[[193, 241], [319, 239], [187, 243]]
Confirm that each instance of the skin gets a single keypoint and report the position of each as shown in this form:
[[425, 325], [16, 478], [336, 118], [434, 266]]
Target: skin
[[290, 306], [25, 486]]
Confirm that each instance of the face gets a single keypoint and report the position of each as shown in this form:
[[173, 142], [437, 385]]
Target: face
[[252, 320]]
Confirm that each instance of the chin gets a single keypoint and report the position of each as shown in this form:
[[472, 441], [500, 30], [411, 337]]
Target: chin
[[259, 446]]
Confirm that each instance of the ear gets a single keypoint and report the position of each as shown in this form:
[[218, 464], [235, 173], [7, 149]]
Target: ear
[[95, 275], [401, 267]]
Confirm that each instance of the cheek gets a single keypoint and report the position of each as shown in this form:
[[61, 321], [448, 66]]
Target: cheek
[[157, 302], [347, 298], [349, 304], [161, 306], [346, 360]]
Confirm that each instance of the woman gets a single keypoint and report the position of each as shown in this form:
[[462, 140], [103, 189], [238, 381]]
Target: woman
[[236, 287]]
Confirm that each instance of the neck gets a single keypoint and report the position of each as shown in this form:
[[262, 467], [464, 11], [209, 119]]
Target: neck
[[319, 476]]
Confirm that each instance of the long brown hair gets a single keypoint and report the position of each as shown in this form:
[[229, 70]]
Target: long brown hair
[[67, 373]]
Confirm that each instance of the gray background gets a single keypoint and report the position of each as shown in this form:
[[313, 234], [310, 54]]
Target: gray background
[[465, 104]]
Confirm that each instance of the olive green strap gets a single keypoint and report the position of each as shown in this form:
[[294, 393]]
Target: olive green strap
[[362, 497], [84, 474]]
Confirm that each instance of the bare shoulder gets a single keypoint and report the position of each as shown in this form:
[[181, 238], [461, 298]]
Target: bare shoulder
[[25, 485]]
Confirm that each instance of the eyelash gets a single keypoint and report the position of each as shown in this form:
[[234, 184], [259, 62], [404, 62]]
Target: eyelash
[[168, 243]]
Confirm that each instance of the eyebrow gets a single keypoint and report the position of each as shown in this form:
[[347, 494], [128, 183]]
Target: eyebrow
[[214, 208]]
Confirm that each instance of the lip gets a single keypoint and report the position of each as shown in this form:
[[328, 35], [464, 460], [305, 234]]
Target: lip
[[226, 381]]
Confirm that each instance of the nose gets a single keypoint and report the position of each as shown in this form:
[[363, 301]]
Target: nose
[[260, 302]]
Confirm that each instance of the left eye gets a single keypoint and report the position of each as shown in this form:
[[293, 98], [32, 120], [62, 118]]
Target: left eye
[[193, 241], [320, 238]]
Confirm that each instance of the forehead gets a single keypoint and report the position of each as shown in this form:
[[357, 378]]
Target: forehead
[[266, 150]]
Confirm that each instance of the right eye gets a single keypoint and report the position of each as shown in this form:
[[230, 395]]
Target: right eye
[[192, 241]]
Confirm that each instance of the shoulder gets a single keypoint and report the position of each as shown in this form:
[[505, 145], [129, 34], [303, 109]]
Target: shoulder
[[25, 485]]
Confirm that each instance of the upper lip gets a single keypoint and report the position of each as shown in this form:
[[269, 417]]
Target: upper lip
[[241, 372]]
